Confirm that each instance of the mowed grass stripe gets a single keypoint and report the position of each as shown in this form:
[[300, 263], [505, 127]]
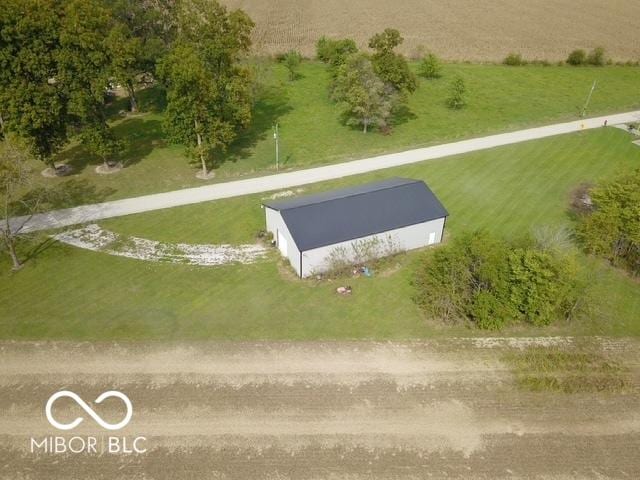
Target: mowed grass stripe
[[500, 99], [69, 293]]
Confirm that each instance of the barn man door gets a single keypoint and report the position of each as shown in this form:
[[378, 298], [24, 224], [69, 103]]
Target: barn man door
[[432, 238], [282, 244]]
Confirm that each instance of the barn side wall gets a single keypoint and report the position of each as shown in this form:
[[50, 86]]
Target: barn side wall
[[406, 238], [276, 223]]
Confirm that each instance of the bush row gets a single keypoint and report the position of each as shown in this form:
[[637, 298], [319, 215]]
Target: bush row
[[490, 283], [579, 57]]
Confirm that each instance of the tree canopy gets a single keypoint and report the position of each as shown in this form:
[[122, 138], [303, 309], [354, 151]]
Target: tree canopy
[[208, 88], [54, 72], [335, 52], [392, 67], [612, 229], [33, 102], [492, 283], [457, 94], [368, 101], [291, 61], [15, 176]]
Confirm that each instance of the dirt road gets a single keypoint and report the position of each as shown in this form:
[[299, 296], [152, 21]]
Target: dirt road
[[446, 409]]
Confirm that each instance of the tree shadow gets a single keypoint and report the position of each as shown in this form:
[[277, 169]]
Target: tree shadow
[[151, 99], [38, 246], [67, 194], [139, 135], [272, 104], [402, 114], [78, 157]]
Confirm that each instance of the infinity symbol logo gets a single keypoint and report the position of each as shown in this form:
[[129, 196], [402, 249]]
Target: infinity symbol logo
[[89, 410]]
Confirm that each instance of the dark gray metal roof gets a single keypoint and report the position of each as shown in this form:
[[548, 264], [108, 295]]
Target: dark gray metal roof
[[339, 215]]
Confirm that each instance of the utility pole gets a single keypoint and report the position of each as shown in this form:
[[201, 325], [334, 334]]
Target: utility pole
[[586, 104], [277, 138]]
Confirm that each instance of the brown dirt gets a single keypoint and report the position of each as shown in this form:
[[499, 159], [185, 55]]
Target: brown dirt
[[359, 410], [455, 29]]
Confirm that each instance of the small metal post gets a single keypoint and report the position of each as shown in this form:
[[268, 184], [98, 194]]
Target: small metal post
[[276, 138]]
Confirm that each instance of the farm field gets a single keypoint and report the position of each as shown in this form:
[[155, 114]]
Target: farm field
[[500, 99], [456, 30], [311, 410], [510, 190]]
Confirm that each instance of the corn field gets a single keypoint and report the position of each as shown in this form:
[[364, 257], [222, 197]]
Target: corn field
[[474, 30]]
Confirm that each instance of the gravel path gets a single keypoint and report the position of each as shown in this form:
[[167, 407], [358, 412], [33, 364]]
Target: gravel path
[[95, 238], [339, 410], [88, 213]]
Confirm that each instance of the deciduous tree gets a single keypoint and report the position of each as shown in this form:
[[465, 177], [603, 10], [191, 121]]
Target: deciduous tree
[[84, 67], [335, 52], [15, 178], [208, 88], [392, 67], [430, 66], [291, 61], [137, 40], [458, 94], [612, 230], [492, 283], [368, 101], [33, 103]]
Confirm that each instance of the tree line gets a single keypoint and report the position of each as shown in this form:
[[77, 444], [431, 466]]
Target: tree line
[[371, 88], [60, 58], [490, 283]]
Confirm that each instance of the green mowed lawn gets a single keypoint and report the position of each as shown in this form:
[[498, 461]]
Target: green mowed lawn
[[500, 98], [65, 293]]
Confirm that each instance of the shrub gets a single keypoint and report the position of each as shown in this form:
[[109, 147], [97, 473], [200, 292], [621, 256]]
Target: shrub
[[457, 96], [612, 229], [577, 57], [392, 67], [514, 60], [341, 260], [541, 285], [291, 61], [335, 52], [596, 57], [491, 283], [430, 66]]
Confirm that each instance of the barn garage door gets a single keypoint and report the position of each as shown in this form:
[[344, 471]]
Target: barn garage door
[[282, 244]]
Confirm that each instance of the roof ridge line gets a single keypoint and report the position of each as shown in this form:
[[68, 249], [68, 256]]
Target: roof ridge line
[[358, 194]]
